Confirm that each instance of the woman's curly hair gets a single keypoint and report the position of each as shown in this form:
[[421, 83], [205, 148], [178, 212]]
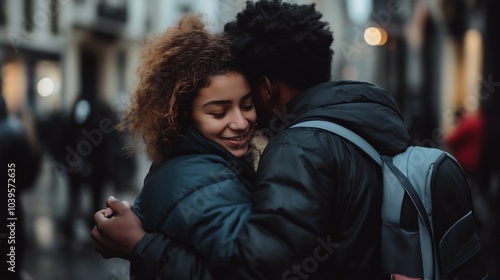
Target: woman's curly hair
[[174, 66], [283, 41]]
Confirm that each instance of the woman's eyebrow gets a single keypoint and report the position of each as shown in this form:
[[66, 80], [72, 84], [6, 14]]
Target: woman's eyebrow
[[224, 102], [217, 102]]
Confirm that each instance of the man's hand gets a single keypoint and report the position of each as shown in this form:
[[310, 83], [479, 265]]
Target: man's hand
[[117, 230]]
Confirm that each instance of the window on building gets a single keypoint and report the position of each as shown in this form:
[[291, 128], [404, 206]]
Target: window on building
[[28, 15], [122, 65], [113, 10], [54, 10]]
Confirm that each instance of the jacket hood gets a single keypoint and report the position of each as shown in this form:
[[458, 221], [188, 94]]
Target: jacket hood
[[366, 109]]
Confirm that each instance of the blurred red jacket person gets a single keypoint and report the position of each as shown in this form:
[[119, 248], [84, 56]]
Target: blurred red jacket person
[[465, 141]]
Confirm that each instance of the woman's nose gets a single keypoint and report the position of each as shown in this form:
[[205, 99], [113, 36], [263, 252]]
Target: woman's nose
[[239, 122]]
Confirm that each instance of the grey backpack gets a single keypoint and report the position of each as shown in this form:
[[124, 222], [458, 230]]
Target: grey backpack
[[413, 252]]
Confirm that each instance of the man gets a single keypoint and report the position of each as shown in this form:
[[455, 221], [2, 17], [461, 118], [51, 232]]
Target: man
[[316, 202]]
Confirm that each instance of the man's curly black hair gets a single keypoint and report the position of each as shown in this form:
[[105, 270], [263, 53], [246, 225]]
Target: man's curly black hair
[[284, 41]]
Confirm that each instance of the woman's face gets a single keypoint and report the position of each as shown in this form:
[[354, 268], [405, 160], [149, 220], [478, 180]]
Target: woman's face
[[223, 112]]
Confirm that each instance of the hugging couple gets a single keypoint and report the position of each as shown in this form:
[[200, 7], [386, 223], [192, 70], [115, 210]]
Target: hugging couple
[[216, 204]]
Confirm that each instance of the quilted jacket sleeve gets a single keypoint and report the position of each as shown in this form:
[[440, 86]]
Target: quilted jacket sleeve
[[195, 201], [211, 218], [157, 257]]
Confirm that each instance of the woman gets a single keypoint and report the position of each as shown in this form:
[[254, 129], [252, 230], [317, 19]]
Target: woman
[[194, 111]]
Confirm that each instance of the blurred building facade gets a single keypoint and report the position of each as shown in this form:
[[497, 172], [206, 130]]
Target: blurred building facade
[[53, 50], [429, 53]]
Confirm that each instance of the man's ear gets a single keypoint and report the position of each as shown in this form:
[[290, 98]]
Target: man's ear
[[271, 89]]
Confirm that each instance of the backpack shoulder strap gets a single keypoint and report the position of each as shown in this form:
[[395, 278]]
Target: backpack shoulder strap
[[345, 133], [410, 190]]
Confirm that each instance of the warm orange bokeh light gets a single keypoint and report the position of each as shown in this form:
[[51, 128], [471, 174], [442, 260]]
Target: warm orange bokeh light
[[375, 36]]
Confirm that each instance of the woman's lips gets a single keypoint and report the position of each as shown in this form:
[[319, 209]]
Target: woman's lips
[[237, 141]]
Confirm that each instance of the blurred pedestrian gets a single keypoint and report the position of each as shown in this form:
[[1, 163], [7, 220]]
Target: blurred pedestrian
[[20, 160], [465, 142], [93, 157]]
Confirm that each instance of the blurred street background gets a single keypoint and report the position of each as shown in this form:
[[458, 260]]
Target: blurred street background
[[67, 71]]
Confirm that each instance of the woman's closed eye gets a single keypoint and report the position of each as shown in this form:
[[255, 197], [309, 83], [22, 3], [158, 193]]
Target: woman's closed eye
[[247, 107], [218, 115]]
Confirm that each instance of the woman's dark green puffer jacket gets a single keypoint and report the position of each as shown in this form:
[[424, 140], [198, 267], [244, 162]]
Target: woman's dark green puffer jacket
[[199, 197]]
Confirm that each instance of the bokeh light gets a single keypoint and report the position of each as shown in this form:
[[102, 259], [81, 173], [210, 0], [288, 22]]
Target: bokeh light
[[375, 36], [45, 86]]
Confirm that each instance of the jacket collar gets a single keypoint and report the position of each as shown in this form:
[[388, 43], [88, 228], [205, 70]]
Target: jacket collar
[[194, 143]]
